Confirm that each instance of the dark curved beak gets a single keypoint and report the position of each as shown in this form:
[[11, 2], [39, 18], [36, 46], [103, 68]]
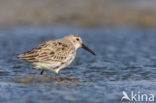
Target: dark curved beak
[[89, 50]]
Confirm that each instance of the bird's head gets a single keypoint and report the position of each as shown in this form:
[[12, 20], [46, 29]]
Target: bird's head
[[77, 42]]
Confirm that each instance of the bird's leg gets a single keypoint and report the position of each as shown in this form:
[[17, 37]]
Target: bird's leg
[[56, 75], [41, 72], [56, 72]]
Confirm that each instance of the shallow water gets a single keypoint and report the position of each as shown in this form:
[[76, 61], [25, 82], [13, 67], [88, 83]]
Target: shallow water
[[125, 61]]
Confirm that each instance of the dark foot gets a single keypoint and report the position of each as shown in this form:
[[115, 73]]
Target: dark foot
[[41, 72]]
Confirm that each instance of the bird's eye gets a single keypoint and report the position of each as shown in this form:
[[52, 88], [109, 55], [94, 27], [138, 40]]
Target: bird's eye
[[77, 39]]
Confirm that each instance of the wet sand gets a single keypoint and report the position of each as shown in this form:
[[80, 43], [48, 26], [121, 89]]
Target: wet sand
[[83, 13]]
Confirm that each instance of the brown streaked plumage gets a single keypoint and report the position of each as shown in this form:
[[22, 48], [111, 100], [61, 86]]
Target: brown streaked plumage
[[54, 54]]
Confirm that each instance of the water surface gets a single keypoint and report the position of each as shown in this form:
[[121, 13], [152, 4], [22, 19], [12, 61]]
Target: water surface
[[125, 61]]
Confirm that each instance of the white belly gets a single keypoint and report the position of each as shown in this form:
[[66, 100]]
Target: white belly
[[66, 63], [54, 66]]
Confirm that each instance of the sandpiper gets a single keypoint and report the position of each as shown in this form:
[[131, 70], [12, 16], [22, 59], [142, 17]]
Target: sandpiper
[[54, 54]]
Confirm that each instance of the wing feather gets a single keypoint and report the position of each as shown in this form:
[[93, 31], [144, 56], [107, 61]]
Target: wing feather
[[51, 51]]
